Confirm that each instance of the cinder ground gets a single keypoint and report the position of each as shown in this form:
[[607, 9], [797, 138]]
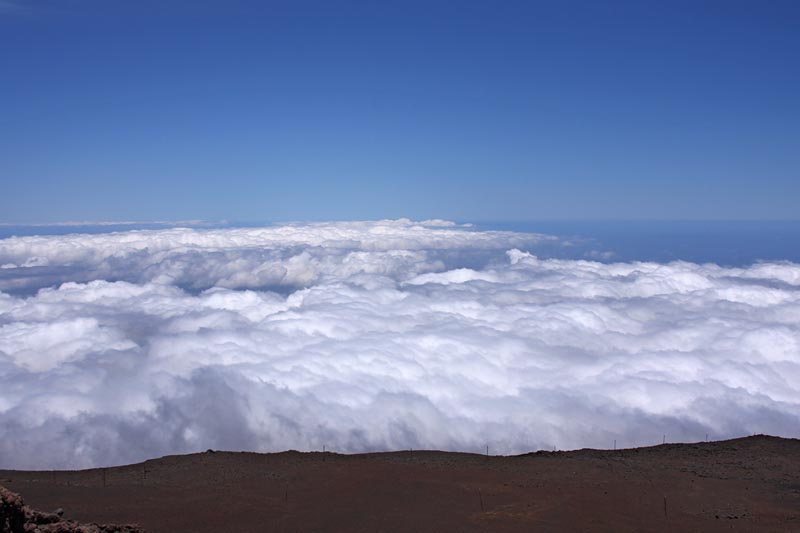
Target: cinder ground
[[749, 484]]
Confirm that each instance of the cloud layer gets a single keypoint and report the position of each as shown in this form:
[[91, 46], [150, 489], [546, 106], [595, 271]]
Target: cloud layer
[[377, 335]]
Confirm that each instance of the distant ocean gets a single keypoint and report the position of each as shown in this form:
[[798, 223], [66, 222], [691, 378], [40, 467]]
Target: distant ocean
[[727, 243]]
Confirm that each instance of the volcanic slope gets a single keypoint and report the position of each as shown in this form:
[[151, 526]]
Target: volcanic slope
[[750, 484]]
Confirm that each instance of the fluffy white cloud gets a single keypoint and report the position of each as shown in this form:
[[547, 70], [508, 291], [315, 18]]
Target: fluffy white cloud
[[277, 257], [383, 335]]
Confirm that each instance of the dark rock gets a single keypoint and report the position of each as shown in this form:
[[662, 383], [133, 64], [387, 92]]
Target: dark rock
[[16, 517], [12, 512]]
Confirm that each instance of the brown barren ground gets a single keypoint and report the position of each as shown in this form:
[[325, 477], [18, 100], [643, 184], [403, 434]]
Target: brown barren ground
[[748, 484]]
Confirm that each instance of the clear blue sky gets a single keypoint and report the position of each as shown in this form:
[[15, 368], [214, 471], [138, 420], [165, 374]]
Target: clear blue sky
[[153, 110]]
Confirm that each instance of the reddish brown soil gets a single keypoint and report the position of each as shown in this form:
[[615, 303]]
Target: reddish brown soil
[[744, 484]]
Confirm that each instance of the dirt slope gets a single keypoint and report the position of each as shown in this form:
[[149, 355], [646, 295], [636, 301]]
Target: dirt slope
[[750, 484]]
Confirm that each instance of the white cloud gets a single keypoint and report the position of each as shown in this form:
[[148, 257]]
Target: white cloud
[[288, 256], [378, 335]]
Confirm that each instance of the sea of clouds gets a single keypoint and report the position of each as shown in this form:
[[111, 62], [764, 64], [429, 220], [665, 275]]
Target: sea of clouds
[[362, 336]]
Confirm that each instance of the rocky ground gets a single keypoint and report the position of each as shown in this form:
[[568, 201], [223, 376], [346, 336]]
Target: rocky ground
[[16, 517], [749, 484]]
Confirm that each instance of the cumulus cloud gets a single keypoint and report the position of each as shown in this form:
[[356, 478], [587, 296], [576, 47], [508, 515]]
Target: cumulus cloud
[[282, 257], [380, 335]]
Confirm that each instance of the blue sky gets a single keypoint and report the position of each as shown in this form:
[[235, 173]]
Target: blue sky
[[153, 110]]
